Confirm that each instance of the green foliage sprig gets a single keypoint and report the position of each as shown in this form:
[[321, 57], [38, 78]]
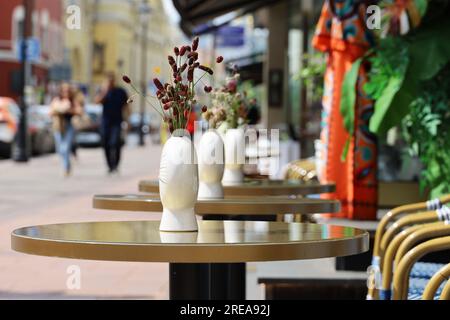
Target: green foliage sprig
[[406, 83], [427, 130], [312, 75]]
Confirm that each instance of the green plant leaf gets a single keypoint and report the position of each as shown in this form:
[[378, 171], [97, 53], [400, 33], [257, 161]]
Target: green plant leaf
[[386, 113], [348, 96], [348, 99], [430, 50], [421, 6]]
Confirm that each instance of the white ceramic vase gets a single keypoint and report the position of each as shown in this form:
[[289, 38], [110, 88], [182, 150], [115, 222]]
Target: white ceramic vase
[[210, 153], [234, 156], [178, 185], [234, 231]]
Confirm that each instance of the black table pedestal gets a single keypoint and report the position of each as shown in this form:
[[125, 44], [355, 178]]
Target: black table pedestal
[[212, 281], [207, 281]]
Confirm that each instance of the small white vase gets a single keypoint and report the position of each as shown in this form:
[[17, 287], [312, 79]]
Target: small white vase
[[234, 156], [178, 185], [211, 165]]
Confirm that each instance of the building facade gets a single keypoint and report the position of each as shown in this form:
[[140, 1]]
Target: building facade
[[110, 40], [46, 27]]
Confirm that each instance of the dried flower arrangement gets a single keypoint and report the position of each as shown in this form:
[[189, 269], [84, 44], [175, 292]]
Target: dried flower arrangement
[[177, 98], [228, 105]]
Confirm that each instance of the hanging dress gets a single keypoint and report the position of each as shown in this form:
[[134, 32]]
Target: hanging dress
[[341, 33]]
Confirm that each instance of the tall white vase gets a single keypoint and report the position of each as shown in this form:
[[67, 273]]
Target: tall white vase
[[234, 156], [178, 185], [211, 165]]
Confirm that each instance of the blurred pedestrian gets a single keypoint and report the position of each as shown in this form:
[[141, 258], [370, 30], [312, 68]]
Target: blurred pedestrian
[[115, 109], [253, 113], [80, 121], [62, 109]]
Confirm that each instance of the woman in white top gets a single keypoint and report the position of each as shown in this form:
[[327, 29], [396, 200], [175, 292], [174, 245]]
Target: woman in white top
[[62, 109]]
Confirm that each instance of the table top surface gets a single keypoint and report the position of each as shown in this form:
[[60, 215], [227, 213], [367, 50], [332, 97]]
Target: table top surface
[[259, 187], [215, 242], [228, 206]]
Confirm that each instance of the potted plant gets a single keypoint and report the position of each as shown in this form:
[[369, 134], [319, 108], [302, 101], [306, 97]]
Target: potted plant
[[178, 175], [408, 80], [229, 112]]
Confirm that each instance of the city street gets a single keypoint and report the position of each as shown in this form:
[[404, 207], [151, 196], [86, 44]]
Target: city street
[[37, 193]]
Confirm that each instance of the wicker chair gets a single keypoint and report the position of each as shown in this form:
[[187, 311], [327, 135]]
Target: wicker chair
[[304, 170], [391, 217], [401, 281], [401, 245], [438, 285]]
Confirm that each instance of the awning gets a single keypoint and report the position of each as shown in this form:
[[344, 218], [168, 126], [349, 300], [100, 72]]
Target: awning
[[197, 15]]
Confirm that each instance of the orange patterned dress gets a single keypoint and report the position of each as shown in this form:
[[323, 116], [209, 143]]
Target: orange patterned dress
[[342, 34]]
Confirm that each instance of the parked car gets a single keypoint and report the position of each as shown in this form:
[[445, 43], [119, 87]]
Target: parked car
[[90, 136], [40, 135], [9, 119], [135, 123], [40, 129]]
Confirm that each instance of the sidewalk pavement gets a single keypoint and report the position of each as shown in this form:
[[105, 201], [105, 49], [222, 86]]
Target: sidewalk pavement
[[37, 193]]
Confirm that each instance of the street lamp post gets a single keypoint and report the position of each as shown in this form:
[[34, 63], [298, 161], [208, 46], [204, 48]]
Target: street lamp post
[[20, 152], [144, 11]]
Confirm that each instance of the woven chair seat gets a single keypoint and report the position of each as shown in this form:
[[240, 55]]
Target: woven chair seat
[[417, 286], [425, 270]]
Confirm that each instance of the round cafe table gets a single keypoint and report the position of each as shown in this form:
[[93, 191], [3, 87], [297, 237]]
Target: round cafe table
[[198, 260], [249, 208], [229, 206], [259, 188]]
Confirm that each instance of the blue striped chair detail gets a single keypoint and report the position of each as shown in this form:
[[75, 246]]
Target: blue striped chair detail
[[417, 286], [425, 269]]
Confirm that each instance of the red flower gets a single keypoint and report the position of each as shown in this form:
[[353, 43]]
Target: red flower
[[195, 43], [232, 86], [193, 55], [206, 69], [190, 75], [219, 59], [158, 84], [126, 79], [204, 109], [208, 89], [171, 60]]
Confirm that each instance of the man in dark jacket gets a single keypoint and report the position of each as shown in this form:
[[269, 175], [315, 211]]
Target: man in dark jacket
[[115, 108]]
